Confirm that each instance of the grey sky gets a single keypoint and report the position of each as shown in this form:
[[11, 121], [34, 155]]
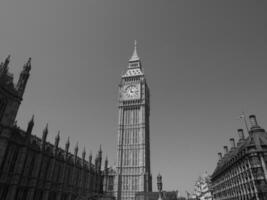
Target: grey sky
[[205, 62]]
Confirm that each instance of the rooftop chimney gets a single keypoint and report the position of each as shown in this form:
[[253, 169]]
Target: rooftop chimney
[[232, 142], [241, 134], [253, 121], [225, 149], [220, 156]]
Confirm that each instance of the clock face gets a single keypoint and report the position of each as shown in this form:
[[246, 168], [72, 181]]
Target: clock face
[[132, 91]]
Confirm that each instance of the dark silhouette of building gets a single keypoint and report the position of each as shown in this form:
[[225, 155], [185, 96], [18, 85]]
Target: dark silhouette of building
[[31, 168], [241, 172]]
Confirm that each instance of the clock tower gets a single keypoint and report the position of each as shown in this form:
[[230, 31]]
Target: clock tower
[[133, 143]]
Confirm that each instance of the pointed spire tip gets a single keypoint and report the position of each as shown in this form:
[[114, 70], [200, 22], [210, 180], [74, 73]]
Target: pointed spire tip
[[135, 56]]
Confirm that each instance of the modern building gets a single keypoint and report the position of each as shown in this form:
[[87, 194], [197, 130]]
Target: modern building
[[133, 144], [202, 189], [31, 168], [241, 172]]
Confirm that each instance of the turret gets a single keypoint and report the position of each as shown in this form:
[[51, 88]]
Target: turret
[[23, 78]]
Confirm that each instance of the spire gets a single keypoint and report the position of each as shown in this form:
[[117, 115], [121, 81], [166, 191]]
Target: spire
[[135, 56]]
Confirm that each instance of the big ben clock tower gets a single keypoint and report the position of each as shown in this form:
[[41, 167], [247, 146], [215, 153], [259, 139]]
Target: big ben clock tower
[[133, 144]]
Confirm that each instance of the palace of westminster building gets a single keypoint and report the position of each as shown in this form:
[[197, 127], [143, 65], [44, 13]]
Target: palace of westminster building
[[32, 168]]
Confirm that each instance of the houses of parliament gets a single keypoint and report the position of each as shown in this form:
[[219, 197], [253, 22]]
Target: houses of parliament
[[32, 168]]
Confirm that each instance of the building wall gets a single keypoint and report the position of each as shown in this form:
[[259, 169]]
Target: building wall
[[31, 168], [241, 173]]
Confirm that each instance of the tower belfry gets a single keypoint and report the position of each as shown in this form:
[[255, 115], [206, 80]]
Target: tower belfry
[[133, 144]]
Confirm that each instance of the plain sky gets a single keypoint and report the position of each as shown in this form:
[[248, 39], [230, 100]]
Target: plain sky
[[205, 63]]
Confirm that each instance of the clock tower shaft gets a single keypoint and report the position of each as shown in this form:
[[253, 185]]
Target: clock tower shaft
[[133, 142]]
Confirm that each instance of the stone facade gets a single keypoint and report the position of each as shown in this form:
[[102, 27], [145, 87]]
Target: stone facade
[[241, 173], [133, 144], [31, 168]]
